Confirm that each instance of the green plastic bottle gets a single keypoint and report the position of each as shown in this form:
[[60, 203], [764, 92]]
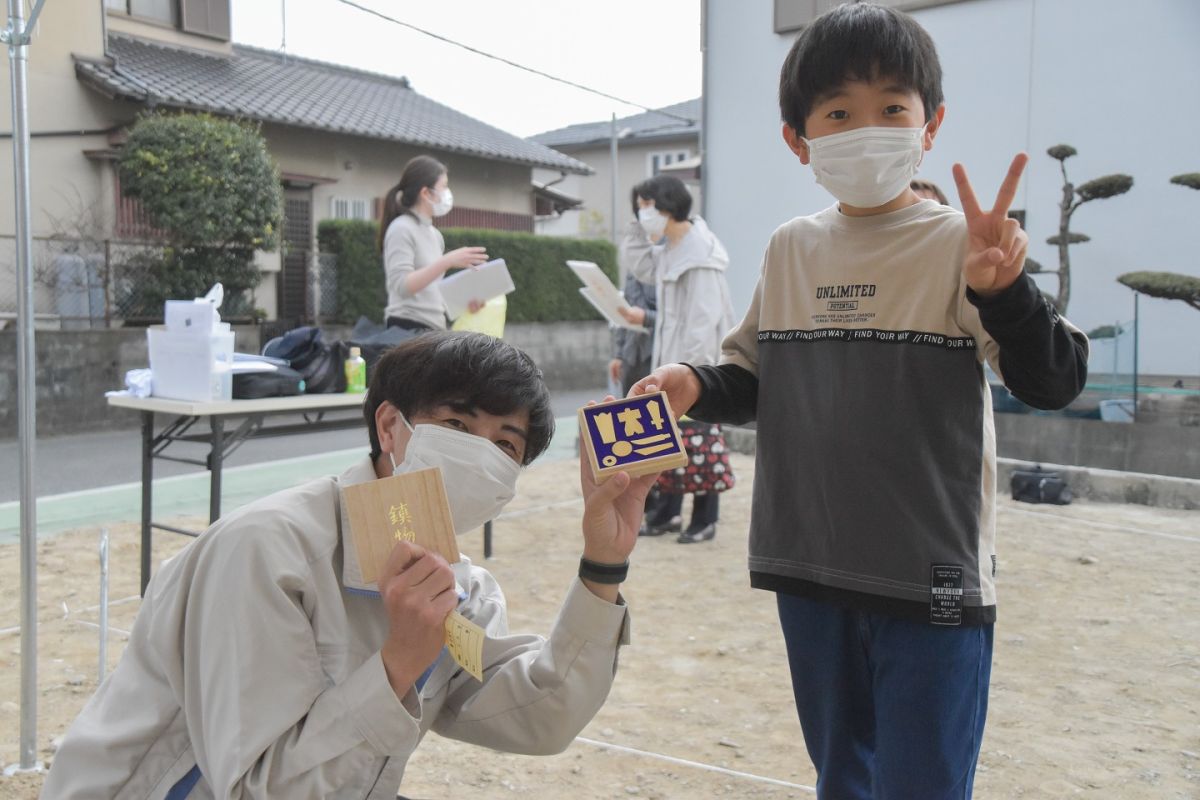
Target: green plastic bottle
[[356, 372]]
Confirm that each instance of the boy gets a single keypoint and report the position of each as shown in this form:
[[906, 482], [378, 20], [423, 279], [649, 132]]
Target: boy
[[262, 665], [861, 358]]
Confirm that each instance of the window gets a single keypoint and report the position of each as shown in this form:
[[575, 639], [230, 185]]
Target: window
[[657, 160], [204, 17], [349, 208], [792, 15]]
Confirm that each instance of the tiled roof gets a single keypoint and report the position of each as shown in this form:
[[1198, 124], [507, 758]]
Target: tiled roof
[[269, 87], [647, 125]]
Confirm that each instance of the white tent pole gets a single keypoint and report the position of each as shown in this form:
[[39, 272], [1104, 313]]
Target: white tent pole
[[16, 36]]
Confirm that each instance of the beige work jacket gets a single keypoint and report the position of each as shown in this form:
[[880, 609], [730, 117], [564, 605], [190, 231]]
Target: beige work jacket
[[256, 658]]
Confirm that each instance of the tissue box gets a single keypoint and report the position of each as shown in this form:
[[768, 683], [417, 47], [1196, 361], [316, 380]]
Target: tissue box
[[188, 366]]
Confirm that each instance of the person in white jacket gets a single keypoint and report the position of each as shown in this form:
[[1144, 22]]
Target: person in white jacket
[[686, 263], [262, 665]]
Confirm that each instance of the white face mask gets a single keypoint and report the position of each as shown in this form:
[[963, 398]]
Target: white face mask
[[443, 203], [480, 478], [653, 222], [867, 167]]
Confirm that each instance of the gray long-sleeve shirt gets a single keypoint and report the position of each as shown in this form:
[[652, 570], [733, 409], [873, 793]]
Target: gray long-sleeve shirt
[[410, 244]]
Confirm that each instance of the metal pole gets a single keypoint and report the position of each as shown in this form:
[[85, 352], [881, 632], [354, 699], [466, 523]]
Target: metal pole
[[612, 152], [17, 38], [103, 604], [1135, 356]]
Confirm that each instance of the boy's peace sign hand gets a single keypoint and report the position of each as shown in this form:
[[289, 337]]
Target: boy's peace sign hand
[[996, 244]]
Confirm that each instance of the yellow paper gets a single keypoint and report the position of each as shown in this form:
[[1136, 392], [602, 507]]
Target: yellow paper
[[464, 640], [489, 319]]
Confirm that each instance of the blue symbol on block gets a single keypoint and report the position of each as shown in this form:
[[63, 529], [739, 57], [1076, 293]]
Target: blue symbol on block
[[626, 432]]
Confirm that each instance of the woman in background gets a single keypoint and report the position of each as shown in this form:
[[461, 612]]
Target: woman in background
[[686, 263], [414, 257]]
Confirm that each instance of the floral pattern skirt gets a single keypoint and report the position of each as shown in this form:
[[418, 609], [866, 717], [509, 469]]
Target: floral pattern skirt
[[708, 468]]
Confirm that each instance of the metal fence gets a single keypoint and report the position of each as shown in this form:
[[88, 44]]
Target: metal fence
[[82, 284]]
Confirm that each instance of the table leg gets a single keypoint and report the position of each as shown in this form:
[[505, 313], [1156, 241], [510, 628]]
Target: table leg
[[147, 492], [487, 539], [215, 457]]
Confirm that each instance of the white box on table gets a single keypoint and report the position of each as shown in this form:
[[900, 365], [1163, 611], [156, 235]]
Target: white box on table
[[186, 366]]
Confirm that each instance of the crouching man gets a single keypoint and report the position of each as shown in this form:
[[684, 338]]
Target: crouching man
[[261, 665]]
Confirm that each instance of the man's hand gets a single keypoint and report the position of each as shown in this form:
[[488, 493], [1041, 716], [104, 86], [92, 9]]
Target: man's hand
[[996, 244], [612, 515], [418, 593], [677, 380]]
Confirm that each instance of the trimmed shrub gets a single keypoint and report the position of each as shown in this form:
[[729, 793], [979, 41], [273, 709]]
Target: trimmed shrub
[[360, 286], [547, 291], [209, 185]]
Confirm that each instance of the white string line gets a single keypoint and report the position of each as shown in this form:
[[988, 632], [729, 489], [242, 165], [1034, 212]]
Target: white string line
[[525, 512], [67, 612], [1109, 525], [684, 762]]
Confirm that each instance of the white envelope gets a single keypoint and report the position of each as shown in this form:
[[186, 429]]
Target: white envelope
[[481, 283]]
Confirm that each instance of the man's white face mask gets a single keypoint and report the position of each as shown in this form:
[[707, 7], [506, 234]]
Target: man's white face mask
[[867, 167], [480, 478]]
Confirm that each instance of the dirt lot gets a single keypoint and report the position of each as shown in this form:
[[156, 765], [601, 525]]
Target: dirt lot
[[1094, 688]]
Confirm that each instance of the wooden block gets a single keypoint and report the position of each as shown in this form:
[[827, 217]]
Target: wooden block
[[635, 435], [410, 507]]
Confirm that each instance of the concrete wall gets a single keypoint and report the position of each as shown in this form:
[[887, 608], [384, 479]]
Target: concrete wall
[[75, 369], [1019, 75]]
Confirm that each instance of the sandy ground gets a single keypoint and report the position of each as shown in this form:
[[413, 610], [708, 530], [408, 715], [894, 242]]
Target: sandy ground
[[1094, 690]]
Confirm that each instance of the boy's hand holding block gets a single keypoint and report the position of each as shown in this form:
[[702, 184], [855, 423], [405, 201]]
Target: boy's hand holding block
[[411, 507], [635, 435]]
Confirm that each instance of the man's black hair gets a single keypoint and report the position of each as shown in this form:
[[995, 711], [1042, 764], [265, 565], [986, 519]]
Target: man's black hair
[[669, 195], [857, 41], [469, 371]]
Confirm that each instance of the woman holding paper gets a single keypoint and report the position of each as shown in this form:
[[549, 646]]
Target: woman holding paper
[[686, 263], [414, 252]]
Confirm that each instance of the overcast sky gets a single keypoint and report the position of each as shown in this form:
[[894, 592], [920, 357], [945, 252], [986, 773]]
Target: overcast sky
[[646, 51]]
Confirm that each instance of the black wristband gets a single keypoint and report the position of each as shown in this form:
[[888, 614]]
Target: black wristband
[[603, 573]]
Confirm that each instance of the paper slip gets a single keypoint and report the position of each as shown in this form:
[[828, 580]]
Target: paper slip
[[464, 640], [411, 507], [479, 283], [602, 294], [608, 310]]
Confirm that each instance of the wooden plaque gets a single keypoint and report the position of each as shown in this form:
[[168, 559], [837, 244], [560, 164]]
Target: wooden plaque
[[410, 507], [637, 435]]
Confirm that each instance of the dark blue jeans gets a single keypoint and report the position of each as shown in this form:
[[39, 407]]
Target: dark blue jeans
[[890, 709]]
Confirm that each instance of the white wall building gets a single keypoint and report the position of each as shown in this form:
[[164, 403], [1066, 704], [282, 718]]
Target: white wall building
[[1116, 81]]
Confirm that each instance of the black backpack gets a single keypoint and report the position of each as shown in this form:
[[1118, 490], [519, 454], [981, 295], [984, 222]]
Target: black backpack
[[320, 363], [1040, 486], [279, 382]]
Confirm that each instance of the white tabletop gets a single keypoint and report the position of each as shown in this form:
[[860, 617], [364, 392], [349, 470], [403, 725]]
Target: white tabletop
[[190, 408]]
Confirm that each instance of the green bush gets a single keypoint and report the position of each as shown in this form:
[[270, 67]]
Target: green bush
[[547, 290], [210, 186], [360, 286]]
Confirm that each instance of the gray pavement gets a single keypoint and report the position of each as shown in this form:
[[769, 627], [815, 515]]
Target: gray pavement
[[93, 460]]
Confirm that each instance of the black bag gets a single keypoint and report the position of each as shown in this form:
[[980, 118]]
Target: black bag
[[320, 363], [281, 382], [374, 340], [1040, 486]]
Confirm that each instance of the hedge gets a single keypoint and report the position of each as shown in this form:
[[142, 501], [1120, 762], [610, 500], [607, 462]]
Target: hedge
[[360, 288], [547, 290]]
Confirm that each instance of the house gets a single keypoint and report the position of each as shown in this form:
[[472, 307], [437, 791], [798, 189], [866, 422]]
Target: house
[[340, 137], [647, 143], [1020, 75]]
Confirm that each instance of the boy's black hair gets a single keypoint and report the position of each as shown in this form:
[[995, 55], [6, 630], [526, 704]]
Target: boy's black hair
[[669, 195], [857, 41], [469, 371]]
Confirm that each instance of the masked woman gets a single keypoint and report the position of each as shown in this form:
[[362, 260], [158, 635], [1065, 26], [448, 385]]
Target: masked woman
[[686, 263], [414, 256]]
